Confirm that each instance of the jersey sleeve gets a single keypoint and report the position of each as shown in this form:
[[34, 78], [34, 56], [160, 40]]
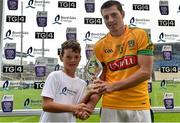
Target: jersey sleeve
[[145, 46], [81, 93], [49, 88], [98, 51]]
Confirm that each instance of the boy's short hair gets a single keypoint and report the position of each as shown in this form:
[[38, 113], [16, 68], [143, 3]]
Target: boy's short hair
[[70, 44], [110, 3]]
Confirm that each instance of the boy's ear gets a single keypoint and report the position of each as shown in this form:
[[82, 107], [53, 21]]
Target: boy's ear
[[60, 57]]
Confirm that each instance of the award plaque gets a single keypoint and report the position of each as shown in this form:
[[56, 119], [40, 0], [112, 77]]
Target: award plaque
[[93, 68]]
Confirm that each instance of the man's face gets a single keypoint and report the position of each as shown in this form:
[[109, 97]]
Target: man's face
[[70, 59], [113, 18]]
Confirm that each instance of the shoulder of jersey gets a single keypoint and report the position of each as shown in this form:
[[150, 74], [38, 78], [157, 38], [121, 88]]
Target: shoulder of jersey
[[135, 28], [103, 37]]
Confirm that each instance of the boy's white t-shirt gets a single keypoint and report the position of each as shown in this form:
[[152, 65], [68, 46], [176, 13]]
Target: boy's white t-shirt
[[65, 90]]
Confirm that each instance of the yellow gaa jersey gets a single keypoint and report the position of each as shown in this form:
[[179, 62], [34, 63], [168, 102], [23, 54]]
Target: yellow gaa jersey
[[119, 54]]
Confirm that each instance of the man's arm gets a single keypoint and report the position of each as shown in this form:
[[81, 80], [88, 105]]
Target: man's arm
[[144, 73], [91, 99]]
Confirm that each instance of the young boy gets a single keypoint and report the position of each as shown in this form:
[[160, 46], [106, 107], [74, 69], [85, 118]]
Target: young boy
[[63, 91]]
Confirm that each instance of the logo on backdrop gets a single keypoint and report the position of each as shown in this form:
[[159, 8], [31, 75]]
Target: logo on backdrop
[[29, 52], [71, 33], [12, 69], [178, 9], [132, 22], [161, 38], [12, 4], [30, 4], [58, 51], [90, 6], [166, 22], [169, 100], [44, 35], [169, 69], [13, 18], [149, 87], [167, 52], [141, 7], [40, 70], [27, 104], [8, 35], [6, 85], [168, 37], [57, 67], [164, 7], [88, 20], [68, 19], [66, 4], [40, 51], [167, 55], [138, 21], [40, 67], [7, 103], [57, 19], [163, 84], [10, 50], [41, 18], [39, 85], [87, 36], [89, 51]]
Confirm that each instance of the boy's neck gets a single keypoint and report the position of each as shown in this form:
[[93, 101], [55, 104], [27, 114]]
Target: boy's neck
[[70, 73]]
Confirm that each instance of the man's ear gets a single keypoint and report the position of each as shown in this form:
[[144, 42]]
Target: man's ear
[[123, 14]]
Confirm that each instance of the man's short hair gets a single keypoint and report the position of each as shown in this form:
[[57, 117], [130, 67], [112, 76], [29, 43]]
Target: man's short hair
[[110, 3]]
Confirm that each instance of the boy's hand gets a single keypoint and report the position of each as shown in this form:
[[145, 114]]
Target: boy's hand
[[83, 113], [81, 107]]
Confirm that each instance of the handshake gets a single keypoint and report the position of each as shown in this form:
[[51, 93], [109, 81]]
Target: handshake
[[85, 109]]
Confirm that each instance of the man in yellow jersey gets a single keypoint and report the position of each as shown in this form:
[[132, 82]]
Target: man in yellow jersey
[[127, 57]]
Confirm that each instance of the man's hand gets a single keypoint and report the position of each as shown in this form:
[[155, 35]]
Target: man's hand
[[81, 108], [103, 86], [84, 114]]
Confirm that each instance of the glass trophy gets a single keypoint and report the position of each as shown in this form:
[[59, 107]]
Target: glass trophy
[[93, 68]]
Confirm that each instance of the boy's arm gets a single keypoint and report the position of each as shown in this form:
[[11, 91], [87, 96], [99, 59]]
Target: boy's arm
[[49, 105]]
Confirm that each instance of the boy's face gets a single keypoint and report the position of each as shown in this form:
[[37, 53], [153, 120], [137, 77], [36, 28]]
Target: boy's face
[[70, 59]]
